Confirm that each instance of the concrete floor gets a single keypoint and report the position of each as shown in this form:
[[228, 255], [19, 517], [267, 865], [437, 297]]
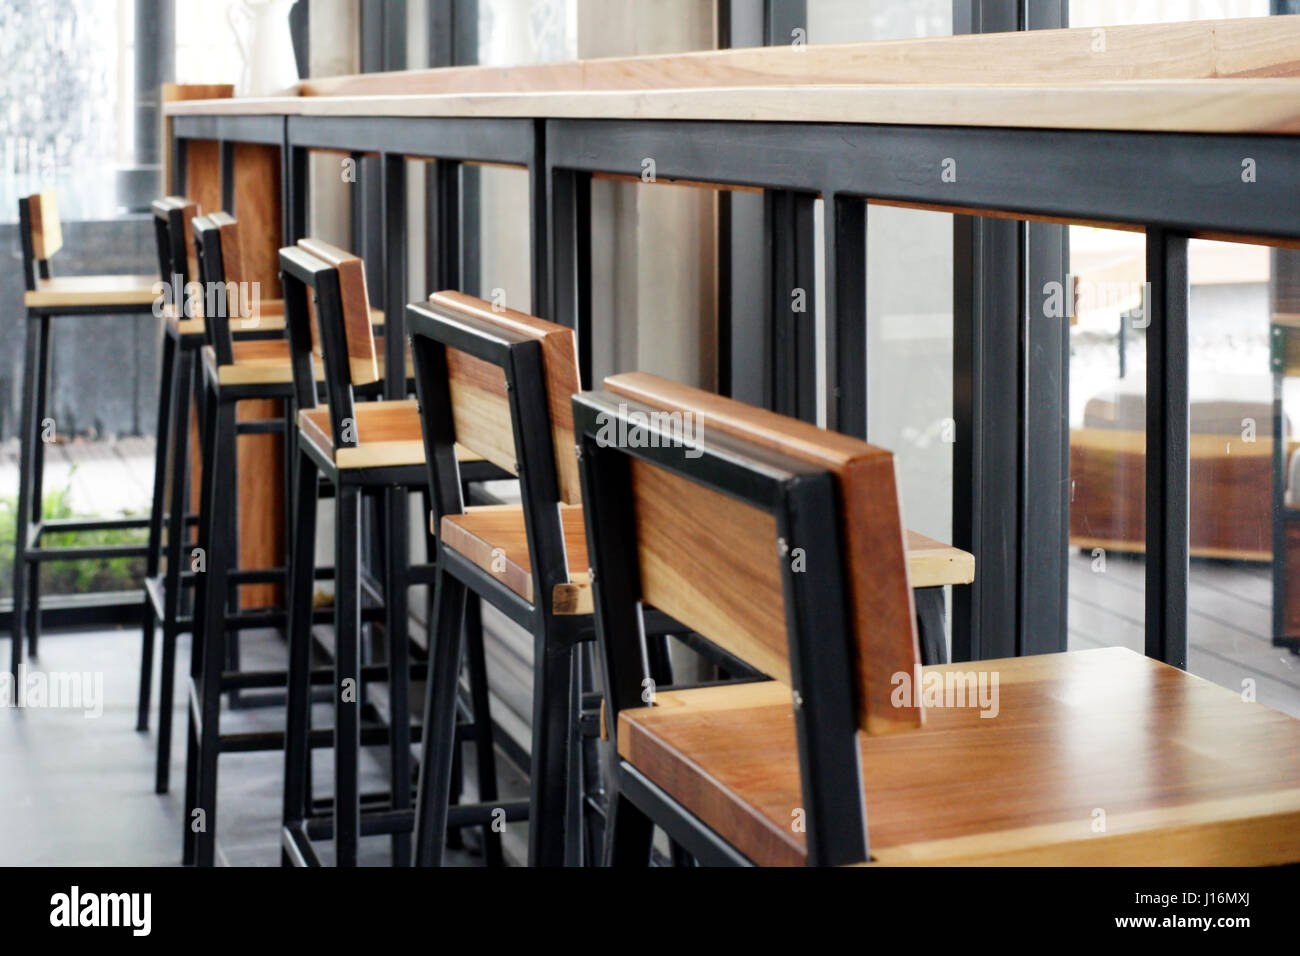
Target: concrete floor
[[77, 789]]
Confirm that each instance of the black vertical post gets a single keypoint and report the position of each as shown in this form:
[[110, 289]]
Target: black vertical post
[[744, 265], [986, 394], [781, 20], [1045, 468], [443, 234], [296, 185], [792, 309], [570, 257], [227, 174], [383, 47], [393, 170], [1167, 447], [845, 226], [538, 233], [453, 41], [1045, 482], [986, 398]]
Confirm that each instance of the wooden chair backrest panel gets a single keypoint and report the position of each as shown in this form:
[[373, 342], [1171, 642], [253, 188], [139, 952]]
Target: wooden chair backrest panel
[[46, 229], [232, 258], [874, 543], [363, 360], [479, 408], [711, 562]]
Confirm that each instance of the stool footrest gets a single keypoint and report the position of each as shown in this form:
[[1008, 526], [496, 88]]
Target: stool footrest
[[74, 525], [88, 552]]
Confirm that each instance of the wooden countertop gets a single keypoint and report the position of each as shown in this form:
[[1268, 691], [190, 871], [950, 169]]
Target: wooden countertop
[[1187, 106], [1229, 76]]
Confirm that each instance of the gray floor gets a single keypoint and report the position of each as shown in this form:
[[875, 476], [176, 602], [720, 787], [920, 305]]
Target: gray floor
[[78, 789]]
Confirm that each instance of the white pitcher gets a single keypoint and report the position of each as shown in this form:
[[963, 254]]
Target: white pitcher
[[269, 65]]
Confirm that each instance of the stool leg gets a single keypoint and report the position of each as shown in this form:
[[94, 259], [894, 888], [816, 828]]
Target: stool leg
[[220, 557], [157, 506], [574, 848], [456, 789], [27, 437], [593, 780], [929, 616], [177, 537], [347, 673], [484, 752], [396, 629], [548, 776], [628, 832], [440, 706], [302, 566], [33, 606], [38, 480], [208, 437]]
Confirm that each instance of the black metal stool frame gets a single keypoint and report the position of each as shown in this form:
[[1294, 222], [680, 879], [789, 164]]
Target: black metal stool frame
[[29, 523], [212, 621], [302, 272], [164, 589], [551, 789], [803, 501]]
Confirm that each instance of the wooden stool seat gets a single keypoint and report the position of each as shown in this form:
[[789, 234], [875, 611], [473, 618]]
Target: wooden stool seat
[[388, 434], [271, 320], [266, 362], [1184, 771], [493, 537], [70, 292]]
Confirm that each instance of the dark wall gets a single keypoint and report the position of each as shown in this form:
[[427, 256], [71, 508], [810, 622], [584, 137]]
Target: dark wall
[[105, 368]]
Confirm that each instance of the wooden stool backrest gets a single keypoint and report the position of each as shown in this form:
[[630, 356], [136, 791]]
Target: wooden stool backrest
[[746, 545], [499, 383], [327, 316], [882, 612], [173, 219], [221, 273], [358, 336], [478, 391], [41, 233]]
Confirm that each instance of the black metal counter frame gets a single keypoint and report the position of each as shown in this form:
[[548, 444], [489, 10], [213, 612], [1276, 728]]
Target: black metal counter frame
[[451, 142], [1170, 184]]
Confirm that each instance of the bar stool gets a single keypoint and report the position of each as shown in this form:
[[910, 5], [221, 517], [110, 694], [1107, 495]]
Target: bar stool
[[231, 371], [166, 582], [47, 297], [708, 532], [359, 448], [497, 382]]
